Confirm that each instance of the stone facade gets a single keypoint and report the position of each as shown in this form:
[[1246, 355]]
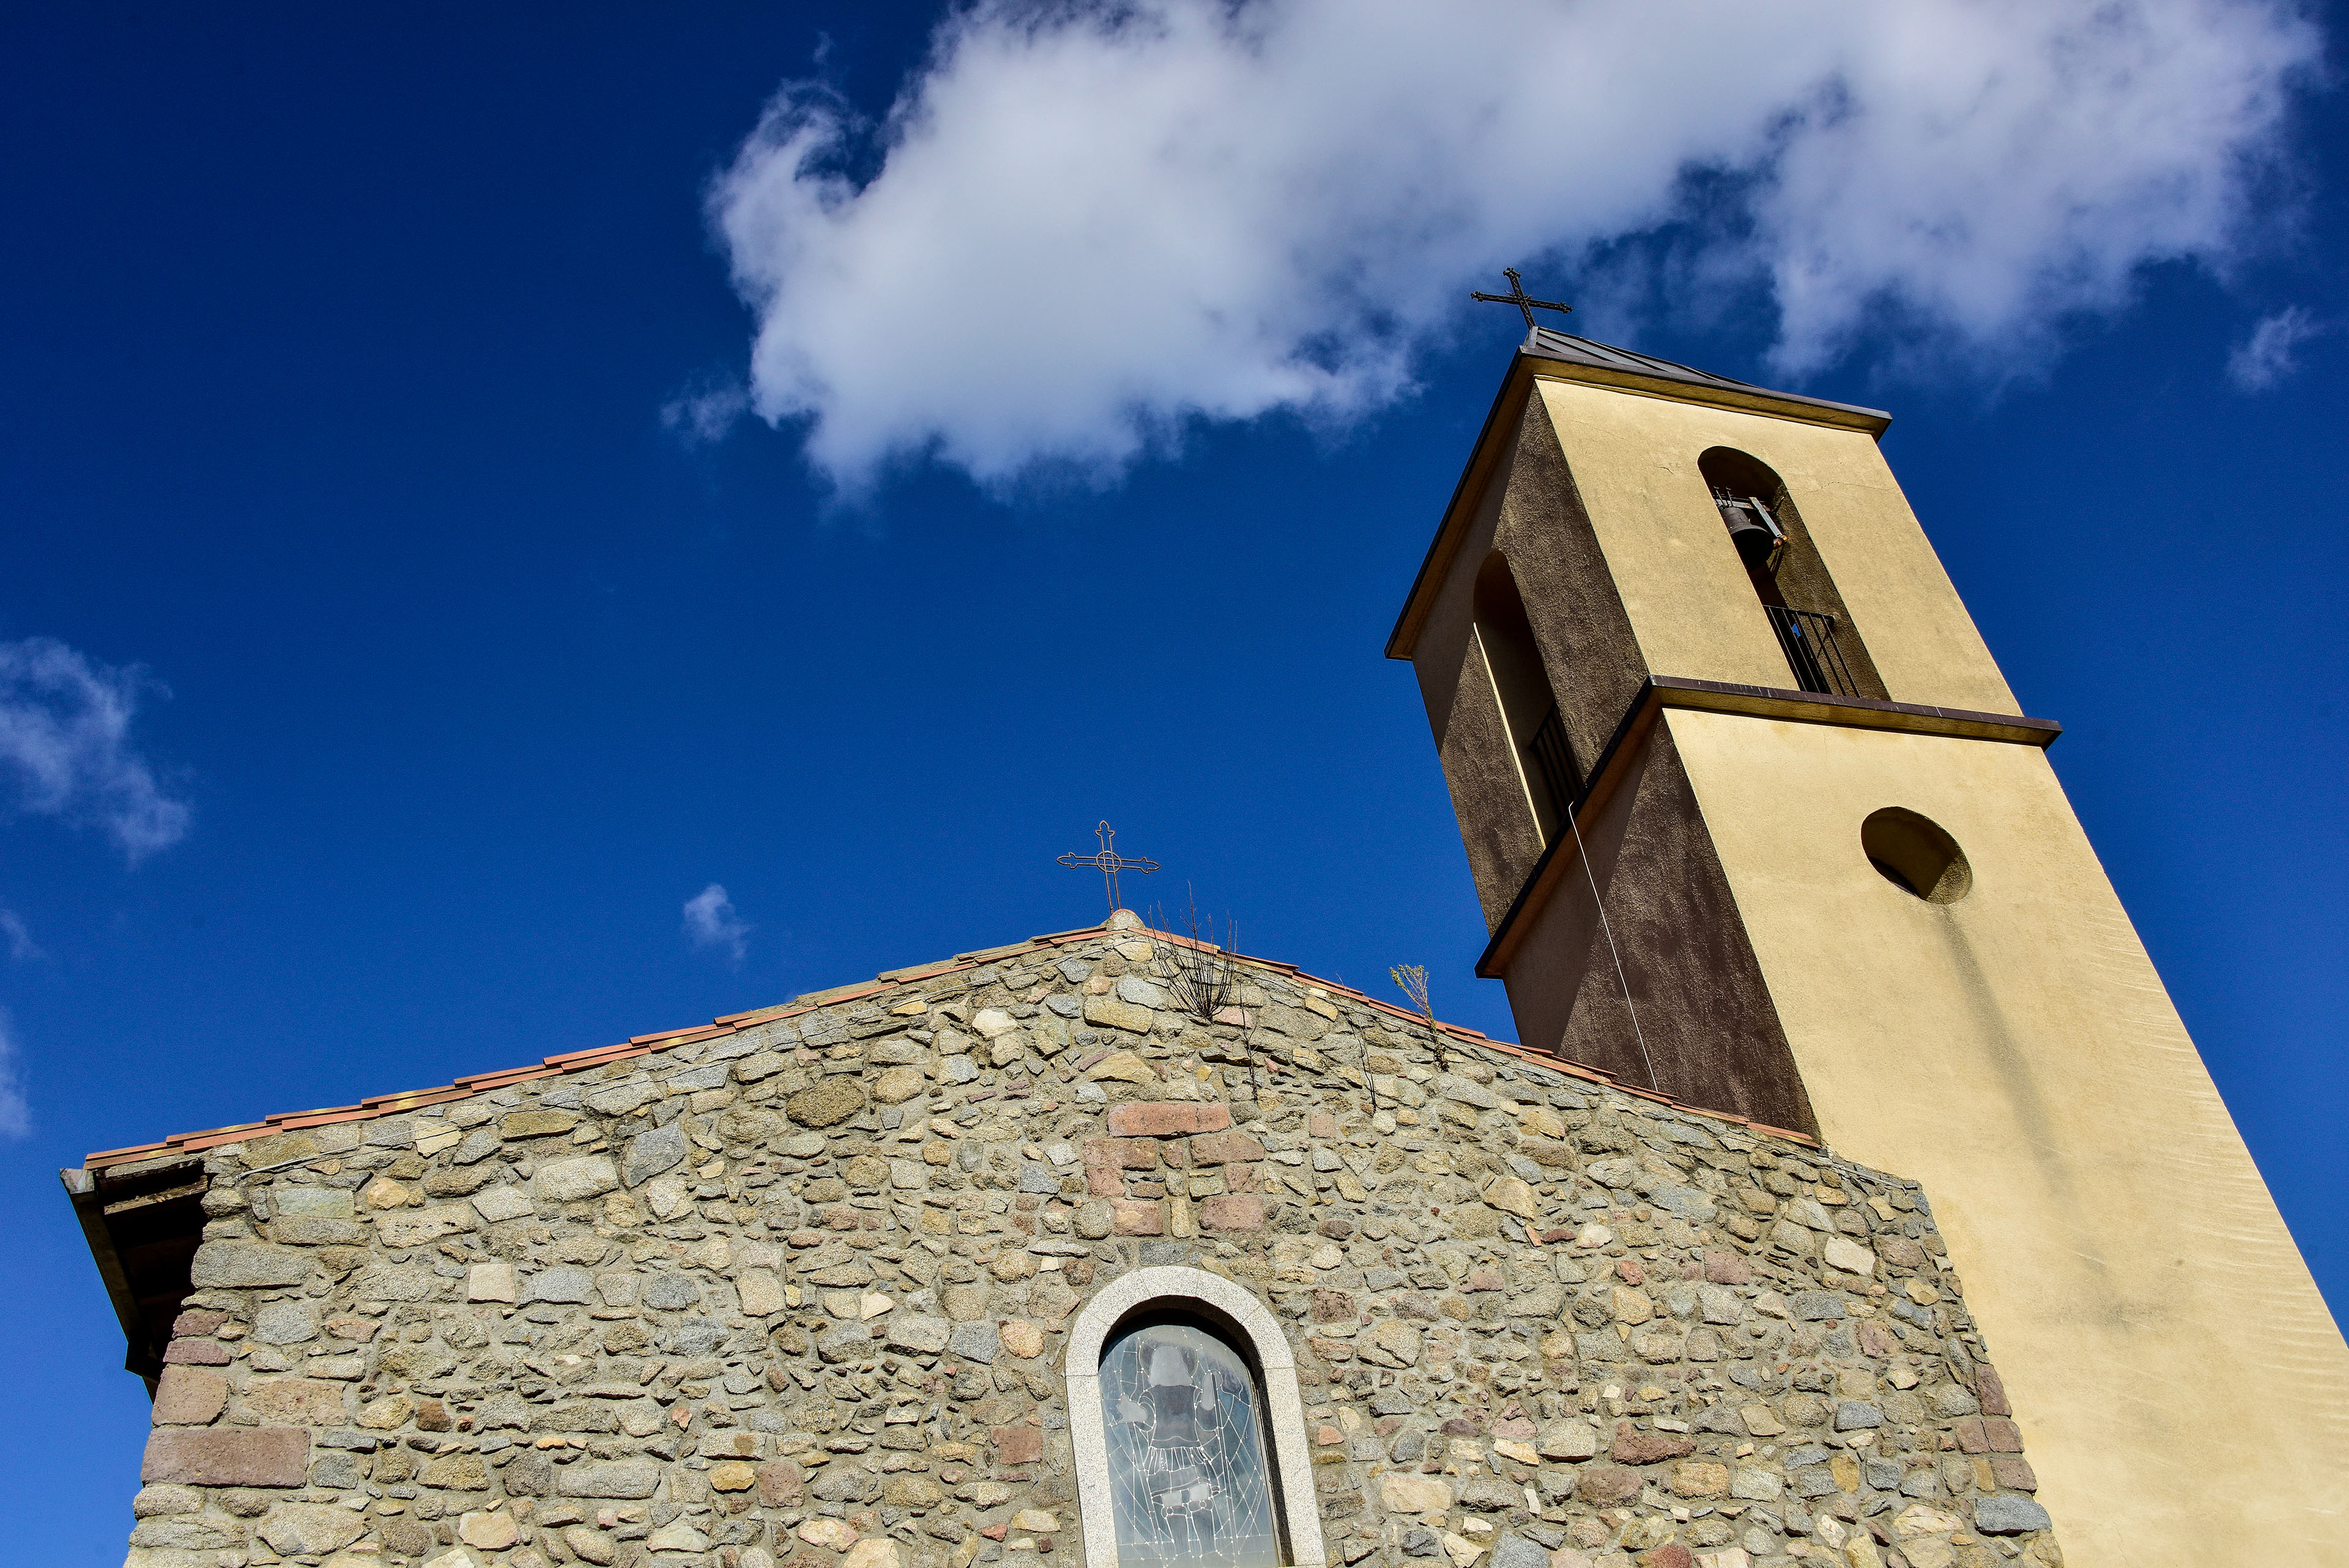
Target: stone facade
[[797, 1290]]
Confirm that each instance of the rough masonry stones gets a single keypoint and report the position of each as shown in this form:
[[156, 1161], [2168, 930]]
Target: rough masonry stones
[[799, 1294]]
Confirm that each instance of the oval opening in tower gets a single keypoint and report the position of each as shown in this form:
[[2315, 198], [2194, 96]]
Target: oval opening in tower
[[1916, 855]]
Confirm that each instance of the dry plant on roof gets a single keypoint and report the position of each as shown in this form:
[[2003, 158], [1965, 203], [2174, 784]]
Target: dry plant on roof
[[1411, 980], [1204, 977]]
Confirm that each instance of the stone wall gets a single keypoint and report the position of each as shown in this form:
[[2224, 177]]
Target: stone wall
[[798, 1295]]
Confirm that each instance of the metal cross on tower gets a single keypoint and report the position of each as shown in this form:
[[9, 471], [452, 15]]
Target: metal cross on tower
[[1519, 297], [1109, 862]]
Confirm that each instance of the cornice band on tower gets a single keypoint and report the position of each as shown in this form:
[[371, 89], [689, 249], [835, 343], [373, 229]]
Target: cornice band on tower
[[1662, 692]]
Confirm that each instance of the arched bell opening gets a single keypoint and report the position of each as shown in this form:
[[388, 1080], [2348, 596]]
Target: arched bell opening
[[1538, 740], [1822, 649]]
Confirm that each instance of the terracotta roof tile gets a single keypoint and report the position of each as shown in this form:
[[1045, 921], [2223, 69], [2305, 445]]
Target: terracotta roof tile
[[598, 1053], [117, 1156], [924, 971], [375, 1105], [840, 993], [313, 1118], [207, 1132], [756, 1015], [669, 1036]]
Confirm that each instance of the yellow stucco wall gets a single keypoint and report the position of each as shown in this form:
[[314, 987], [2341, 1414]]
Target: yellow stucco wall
[[1635, 460], [2183, 1393]]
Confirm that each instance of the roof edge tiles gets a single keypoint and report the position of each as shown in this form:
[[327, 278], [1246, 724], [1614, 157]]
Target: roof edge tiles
[[374, 1106]]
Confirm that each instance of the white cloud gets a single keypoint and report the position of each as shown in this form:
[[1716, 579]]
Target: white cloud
[[705, 411], [19, 936], [711, 922], [2270, 354], [66, 749], [15, 1111], [1095, 220]]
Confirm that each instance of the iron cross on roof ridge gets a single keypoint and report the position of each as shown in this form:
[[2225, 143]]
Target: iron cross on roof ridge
[[1109, 862], [1518, 297]]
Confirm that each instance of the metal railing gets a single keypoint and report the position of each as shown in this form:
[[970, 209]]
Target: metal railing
[[1809, 641], [1553, 761]]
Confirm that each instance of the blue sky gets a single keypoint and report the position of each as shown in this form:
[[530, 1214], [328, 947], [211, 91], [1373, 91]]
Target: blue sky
[[382, 459]]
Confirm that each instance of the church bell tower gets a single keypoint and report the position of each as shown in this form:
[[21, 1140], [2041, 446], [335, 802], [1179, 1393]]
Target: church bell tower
[[1756, 823]]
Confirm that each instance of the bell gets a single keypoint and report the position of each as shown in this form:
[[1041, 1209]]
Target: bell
[[1757, 543]]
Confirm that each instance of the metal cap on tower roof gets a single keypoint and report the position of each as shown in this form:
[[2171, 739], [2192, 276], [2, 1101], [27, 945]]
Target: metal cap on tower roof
[[1542, 343]]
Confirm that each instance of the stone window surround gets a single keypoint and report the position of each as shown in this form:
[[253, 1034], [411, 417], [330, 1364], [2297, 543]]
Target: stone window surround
[[1224, 1302]]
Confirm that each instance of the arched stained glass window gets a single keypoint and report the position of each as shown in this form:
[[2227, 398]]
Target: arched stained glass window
[[1189, 1479]]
